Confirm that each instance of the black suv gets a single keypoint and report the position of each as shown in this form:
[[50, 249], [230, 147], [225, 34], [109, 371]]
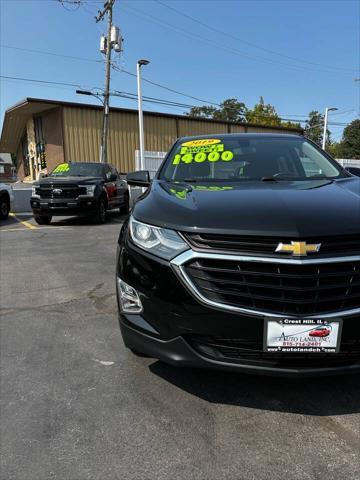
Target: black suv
[[79, 188], [244, 254]]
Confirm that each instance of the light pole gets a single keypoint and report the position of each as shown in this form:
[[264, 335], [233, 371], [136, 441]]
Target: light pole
[[327, 110], [91, 94], [141, 120]]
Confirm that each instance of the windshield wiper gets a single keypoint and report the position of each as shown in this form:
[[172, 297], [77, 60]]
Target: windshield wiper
[[279, 176]]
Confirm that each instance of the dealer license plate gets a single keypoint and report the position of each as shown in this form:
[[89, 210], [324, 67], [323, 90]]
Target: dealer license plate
[[302, 335]]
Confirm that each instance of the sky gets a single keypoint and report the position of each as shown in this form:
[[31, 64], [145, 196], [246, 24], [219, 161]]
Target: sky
[[299, 55]]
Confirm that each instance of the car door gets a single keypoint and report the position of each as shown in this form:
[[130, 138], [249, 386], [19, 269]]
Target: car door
[[111, 187], [118, 187], [121, 186]]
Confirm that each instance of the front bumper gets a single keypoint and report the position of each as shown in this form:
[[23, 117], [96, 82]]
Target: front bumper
[[175, 327], [63, 206], [178, 352]]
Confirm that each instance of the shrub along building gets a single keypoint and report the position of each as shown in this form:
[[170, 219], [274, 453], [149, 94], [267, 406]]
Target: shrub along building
[[43, 133]]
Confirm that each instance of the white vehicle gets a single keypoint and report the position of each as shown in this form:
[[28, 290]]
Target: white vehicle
[[6, 200]]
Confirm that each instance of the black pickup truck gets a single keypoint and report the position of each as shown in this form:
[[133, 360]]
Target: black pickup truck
[[81, 189]]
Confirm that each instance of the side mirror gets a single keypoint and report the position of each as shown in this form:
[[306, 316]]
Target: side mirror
[[138, 179]]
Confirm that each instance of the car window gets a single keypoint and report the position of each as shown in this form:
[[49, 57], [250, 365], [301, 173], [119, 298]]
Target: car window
[[78, 169], [114, 172], [237, 158], [107, 172]]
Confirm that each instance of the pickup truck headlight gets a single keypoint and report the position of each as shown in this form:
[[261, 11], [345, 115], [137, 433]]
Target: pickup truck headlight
[[33, 192], [90, 189], [162, 242]]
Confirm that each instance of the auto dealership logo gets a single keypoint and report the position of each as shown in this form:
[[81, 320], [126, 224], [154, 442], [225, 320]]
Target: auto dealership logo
[[298, 249]]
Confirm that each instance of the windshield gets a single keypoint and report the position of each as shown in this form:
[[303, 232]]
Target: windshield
[[236, 158], [77, 170]]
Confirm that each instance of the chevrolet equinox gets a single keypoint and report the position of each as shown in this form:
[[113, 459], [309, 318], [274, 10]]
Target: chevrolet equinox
[[243, 254]]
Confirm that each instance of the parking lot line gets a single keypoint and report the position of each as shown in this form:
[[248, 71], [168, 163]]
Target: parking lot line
[[23, 222], [19, 229]]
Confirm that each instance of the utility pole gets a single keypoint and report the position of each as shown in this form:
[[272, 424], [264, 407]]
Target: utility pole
[[327, 110], [108, 9]]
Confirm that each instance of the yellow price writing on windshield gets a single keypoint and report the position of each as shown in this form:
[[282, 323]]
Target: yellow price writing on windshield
[[200, 157], [63, 167]]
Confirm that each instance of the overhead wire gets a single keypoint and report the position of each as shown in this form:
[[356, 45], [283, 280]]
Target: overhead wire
[[121, 70], [139, 13], [213, 28]]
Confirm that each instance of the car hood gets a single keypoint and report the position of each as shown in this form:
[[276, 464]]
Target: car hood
[[49, 181], [298, 209]]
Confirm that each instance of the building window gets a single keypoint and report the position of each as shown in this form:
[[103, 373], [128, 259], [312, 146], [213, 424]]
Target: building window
[[25, 155], [40, 143], [2, 169]]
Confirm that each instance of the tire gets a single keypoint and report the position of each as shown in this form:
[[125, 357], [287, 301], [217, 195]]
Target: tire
[[126, 207], [100, 215], [43, 219], [4, 207]]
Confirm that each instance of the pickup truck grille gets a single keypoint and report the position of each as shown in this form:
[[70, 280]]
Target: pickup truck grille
[[67, 191], [279, 288], [242, 244]]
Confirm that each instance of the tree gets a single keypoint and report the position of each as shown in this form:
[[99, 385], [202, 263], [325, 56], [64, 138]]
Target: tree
[[335, 149], [204, 111], [314, 128], [289, 124], [263, 114], [230, 110], [350, 144]]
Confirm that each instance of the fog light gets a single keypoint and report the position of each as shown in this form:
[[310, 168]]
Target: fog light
[[128, 297]]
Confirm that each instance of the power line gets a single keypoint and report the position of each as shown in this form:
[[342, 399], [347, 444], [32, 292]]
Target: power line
[[219, 105], [39, 81], [213, 29], [43, 52], [166, 88], [208, 41], [155, 100], [75, 3]]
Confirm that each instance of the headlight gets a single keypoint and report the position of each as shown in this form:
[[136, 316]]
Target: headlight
[[162, 242], [33, 192], [90, 189]]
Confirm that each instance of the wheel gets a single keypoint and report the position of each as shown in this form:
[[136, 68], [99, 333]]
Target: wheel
[[4, 208], [139, 354], [43, 219], [125, 208], [100, 215]]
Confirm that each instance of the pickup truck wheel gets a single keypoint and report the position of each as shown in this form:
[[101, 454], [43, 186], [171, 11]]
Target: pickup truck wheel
[[126, 207], [43, 219], [4, 207], [100, 215]]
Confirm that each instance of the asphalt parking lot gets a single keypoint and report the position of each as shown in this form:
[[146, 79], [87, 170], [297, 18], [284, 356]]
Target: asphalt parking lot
[[76, 405]]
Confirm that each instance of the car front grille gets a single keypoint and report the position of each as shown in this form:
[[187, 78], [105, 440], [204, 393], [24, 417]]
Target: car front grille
[[250, 351], [343, 245], [67, 191], [275, 287]]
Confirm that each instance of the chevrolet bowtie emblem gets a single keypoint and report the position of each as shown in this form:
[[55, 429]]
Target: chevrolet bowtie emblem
[[298, 249]]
